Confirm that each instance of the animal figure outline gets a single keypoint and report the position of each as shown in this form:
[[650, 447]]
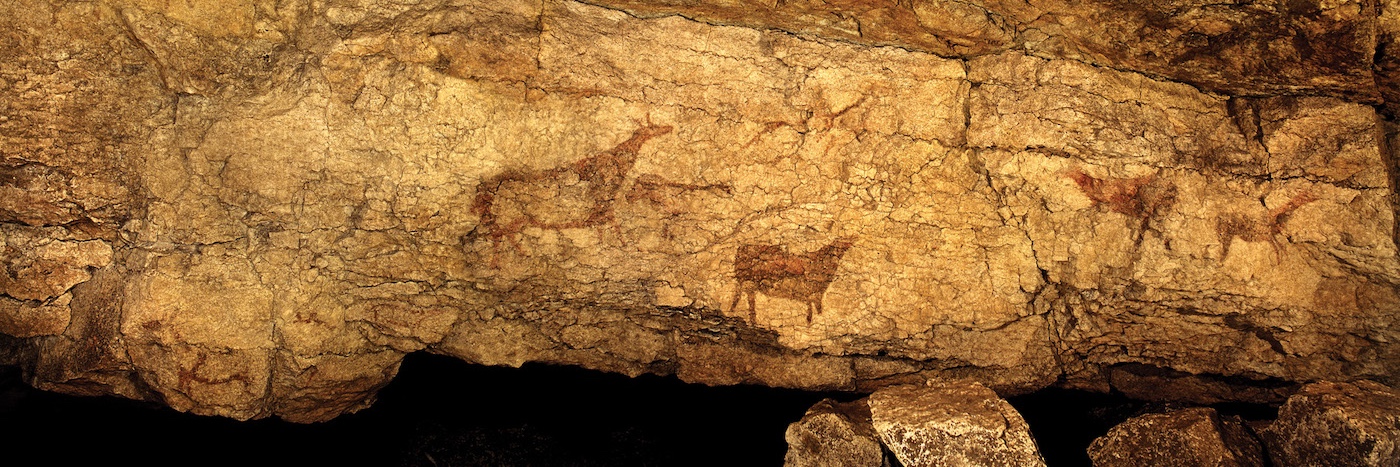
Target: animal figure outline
[[1140, 198], [773, 271], [1267, 229], [601, 176]]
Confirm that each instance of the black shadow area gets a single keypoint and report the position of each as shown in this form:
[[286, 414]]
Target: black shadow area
[[460, 414], [1065, 422], [439, 411]]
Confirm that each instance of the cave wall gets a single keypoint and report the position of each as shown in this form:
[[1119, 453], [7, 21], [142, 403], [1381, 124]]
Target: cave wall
[[257, 208]]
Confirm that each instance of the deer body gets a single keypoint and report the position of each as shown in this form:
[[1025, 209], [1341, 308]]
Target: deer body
[[1266, 229], [576, 195], [771, 270], [1140, 198]]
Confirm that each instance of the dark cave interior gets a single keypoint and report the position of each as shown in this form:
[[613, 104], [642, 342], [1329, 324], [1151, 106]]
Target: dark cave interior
[[440, 411]]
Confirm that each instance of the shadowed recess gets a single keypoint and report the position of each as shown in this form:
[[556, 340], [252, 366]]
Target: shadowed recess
[[440, 411]]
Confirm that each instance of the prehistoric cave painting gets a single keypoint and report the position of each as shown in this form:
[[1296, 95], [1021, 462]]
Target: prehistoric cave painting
[[1139, 198], [767, 128], [578, 195], [661, 192], [1254, 229], [188, 376], [771, 270]]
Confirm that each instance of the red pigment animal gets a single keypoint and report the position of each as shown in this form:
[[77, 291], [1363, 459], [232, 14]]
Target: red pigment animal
[[1266, 229], [771, 270], [600, 179]]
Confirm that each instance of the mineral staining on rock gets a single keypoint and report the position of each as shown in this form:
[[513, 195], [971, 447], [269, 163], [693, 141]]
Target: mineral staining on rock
[[283, 200], [40, 266]]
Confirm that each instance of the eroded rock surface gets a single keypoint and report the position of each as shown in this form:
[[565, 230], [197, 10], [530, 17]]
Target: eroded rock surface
[[834, 434], [1388, 57], [1343, 424], [252, 208], [951, 423], [1188, 437], [1257, 48]]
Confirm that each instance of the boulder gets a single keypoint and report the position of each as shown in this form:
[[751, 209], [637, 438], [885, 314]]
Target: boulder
[[834, 434], [1190, 437], [952, 423], [1337, 424]]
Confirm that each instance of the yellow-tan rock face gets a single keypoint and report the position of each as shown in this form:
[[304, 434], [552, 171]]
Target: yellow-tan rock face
[[257, 208]]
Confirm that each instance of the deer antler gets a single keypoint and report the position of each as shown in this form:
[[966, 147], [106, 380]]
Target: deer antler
[[648, 123]]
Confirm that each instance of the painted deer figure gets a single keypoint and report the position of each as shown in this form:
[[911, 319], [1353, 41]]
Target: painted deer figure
[[1265, 229], [771, 270], [1139, 198], [599, 177]]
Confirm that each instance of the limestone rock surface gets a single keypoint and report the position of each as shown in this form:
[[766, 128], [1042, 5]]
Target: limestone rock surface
[[1342, 424], [1257, 48], [1187, 437], [951, 423], [252, 208], [1388, 57], [834, 434]]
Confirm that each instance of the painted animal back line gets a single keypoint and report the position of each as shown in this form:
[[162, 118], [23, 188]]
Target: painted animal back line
[[771, 270], [602, 175]]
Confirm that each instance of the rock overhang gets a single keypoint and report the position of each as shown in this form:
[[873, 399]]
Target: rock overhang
[[282, 201]]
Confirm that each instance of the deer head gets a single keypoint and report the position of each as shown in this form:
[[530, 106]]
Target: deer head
[[649, 130]]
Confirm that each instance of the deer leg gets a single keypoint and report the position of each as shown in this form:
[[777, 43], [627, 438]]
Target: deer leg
[[617, 229], [1278, 249], [497, 245], [515, 244], [1141, 231], [738, 292], [753, 311], [511, 234], [495, 249], [809, 312]]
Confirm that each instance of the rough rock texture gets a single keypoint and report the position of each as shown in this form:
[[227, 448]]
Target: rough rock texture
[[1256, 48], [951, 423], [834, 434], [1341, 424], [252, 208], [1145, 382], [1189, 437], [1388, 57]]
